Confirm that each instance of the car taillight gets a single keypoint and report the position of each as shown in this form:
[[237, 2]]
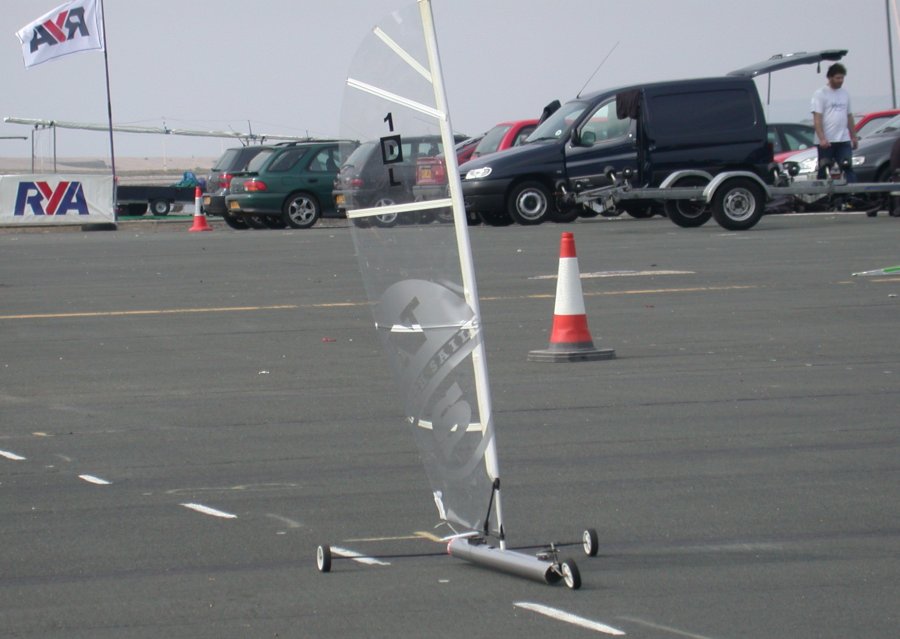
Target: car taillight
[[225, 180], [255, 185], [357, 183]]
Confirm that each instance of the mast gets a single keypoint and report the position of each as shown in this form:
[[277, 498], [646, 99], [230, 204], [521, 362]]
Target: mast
[[470, 287]]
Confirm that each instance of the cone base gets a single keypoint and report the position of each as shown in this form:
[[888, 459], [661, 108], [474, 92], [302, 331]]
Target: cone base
[[583, 355], [200, 224]]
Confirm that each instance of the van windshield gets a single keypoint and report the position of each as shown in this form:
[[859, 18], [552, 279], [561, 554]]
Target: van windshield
[[559, 124]]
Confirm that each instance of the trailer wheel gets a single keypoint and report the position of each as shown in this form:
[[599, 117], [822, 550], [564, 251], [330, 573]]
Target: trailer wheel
[[738, 204], [688, 213], [160, 207]]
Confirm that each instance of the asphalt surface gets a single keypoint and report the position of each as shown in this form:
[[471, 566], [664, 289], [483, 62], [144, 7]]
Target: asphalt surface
[[739, 458]]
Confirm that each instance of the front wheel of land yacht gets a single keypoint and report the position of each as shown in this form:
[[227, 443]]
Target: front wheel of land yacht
[[323, 558], [570, 574], [590, 542]]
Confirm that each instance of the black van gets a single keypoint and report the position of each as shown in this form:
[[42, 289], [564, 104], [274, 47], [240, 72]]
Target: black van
[[647, 131]]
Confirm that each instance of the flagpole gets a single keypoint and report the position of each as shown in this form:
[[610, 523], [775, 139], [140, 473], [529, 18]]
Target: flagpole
[[112, 148]]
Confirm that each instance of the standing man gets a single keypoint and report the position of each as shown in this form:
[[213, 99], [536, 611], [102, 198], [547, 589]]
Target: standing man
[[833, 121]]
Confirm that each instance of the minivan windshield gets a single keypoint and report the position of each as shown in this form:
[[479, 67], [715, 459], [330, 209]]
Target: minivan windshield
[[558, 125]]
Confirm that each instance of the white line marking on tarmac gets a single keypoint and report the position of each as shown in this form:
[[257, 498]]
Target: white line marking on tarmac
[[656, 626], [597, 274], [289, 522], [561, 615], [206, 510], [11, 456], [91, 479], [355, 556]]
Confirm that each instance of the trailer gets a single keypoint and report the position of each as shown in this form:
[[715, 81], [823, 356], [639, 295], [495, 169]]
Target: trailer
[[135, 199], [737, 200]]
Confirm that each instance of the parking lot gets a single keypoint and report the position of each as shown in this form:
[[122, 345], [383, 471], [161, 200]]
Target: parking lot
[[184, 417]]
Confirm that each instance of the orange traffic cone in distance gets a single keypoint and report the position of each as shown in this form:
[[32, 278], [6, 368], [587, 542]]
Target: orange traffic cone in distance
[[200, 223], [570, 337]]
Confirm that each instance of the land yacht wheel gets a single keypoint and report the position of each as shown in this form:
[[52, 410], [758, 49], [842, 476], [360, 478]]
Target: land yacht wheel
[[590, 542], [570, 574], [323, 558]]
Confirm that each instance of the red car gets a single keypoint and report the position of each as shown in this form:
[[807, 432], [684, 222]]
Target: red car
[[871, 121], [431, 173], [505, 135]]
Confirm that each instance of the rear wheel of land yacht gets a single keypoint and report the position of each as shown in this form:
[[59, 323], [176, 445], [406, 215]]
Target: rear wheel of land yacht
[[529, 203], [738, 204], [688, 213]]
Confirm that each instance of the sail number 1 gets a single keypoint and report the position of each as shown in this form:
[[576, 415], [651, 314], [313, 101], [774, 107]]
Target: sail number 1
[[391, 149]]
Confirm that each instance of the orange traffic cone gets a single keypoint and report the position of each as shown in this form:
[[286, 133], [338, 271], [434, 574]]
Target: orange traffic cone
[[200, 223], [570, 339]]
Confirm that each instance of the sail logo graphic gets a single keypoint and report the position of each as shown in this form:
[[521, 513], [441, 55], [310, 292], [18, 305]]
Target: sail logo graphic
[[40, 198], [66, 25]]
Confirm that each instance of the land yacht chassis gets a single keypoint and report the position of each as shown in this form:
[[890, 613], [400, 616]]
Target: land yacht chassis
[[736, 199]]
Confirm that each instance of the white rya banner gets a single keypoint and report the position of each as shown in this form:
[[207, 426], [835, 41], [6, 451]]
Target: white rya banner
[[40, 200]]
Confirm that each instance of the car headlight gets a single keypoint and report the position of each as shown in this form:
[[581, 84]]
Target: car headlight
[[858, 160], [478, 174], [809, 165]]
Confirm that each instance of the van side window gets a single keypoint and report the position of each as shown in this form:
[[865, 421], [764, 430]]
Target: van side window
[[708, 112], [604, 124]]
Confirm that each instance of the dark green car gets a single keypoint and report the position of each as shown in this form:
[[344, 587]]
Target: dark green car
[[287, 185]]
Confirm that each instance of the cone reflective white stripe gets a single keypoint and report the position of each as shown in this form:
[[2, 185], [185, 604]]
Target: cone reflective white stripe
[[570, 338], [199, 217]]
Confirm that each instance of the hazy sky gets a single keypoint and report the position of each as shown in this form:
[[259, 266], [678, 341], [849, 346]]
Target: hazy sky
[[281, 64]]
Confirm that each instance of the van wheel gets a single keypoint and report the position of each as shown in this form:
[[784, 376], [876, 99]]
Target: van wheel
[[688, 214], [739, 204], [529, 203]]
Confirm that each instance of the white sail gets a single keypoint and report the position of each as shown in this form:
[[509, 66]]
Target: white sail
[[413, 248]]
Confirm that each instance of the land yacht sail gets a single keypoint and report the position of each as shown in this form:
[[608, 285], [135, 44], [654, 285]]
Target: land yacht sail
[[418, 271], [419, 276]]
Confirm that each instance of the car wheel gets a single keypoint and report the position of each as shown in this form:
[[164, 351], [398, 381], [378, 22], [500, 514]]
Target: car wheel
[[388, 220], [273, 221], [237, 223], [301, 211], [688, 213], [255, 221], [529, 203]]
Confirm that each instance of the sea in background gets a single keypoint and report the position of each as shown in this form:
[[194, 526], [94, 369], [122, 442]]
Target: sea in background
[[130, 170]]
